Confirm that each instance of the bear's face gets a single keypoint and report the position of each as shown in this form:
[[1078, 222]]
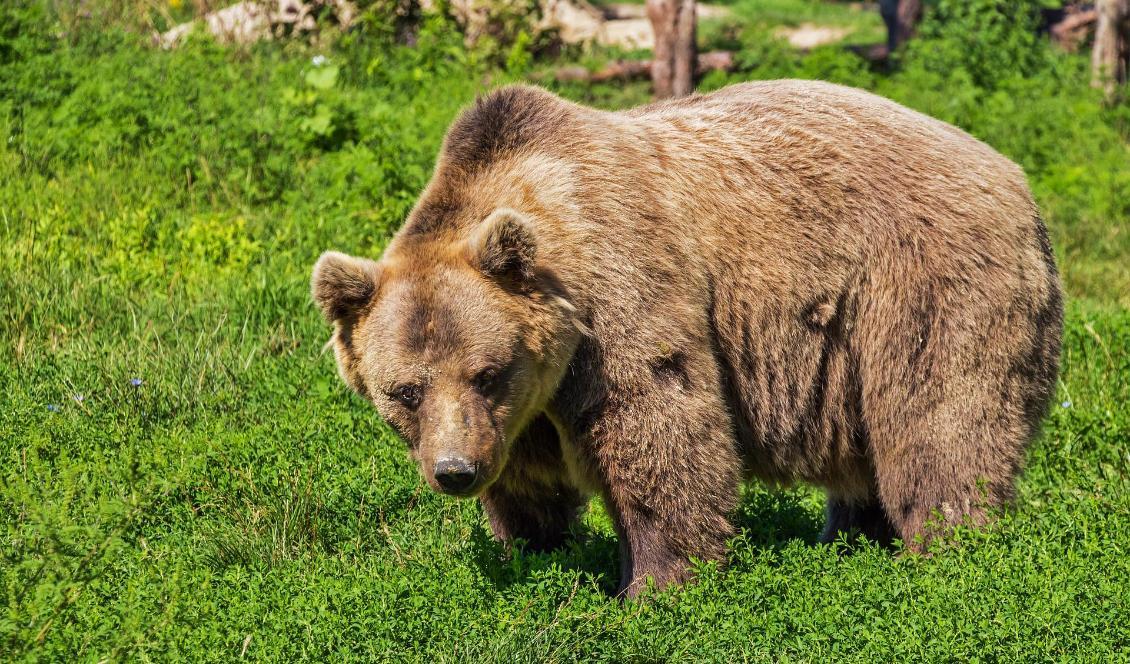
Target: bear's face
[[458, 344]]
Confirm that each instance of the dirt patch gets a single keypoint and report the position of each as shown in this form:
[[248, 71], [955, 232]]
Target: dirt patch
[[809, 35], [627, 26]]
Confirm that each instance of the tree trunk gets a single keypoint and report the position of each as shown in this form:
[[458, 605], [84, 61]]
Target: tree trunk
[[673, 65], [900, 17], [685, 51], [910, 11], [662, 15], [1112, 41]]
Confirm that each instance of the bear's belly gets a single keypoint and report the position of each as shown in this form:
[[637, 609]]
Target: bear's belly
[[794, 395]]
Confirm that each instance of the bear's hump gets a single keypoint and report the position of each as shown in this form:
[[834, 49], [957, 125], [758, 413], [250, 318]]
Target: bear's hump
[[505, 121]]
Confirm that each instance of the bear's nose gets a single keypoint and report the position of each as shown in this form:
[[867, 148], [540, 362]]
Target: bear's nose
[[455, 475]]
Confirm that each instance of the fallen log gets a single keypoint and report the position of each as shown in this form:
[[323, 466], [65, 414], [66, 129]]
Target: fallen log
[[252, 20], [628, 69], [1072, 31]]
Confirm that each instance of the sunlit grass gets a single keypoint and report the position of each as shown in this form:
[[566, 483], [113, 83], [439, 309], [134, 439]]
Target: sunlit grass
[[183, 475]]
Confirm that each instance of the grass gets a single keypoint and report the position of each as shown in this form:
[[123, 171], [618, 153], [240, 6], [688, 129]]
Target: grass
[[159, 213], [861, 18]]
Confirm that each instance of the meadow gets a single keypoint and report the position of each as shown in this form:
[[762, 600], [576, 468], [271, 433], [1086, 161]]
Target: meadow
[[184, 477]]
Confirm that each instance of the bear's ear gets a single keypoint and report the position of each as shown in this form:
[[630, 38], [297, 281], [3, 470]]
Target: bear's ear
[[343, 284], [503, 247]]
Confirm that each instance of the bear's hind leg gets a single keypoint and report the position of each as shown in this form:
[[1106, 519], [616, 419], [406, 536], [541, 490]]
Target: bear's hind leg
[[946, 460], [857, 517], [957, 362], [947, 443], [926, 498]]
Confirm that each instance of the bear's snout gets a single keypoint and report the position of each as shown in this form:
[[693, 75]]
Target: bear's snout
[[455, 475]]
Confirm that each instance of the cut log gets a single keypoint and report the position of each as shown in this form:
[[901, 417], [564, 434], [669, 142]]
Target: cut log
[[807, 36], [576, 21], [1070, 33]]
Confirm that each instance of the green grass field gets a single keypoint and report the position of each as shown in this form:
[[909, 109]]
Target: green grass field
[[184, 477]]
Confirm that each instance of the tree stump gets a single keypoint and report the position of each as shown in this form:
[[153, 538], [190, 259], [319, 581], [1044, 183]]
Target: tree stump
[[1111, 53], [900, 17], [673, 65]]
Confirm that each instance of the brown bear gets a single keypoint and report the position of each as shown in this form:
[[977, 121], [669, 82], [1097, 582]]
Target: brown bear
[[783, 280]]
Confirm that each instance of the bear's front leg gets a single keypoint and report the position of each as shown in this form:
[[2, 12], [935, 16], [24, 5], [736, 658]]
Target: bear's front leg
[[533, 500], [540, 514], [670, 473]]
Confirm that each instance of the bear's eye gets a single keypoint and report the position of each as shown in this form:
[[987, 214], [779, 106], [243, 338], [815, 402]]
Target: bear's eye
[[407, 395], [486, 379]]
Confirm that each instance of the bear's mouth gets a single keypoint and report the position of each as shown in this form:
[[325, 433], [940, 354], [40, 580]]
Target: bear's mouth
[[463, 471]]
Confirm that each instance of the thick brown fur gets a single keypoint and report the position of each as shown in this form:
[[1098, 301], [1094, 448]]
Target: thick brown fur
[[786, 280]]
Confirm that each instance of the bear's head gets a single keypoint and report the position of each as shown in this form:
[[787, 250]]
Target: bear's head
[[459, 342]]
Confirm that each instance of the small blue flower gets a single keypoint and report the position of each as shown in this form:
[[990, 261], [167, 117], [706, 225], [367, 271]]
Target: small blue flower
[[1066, 404], [53, 407], [136, 382], [79, 398], [318, 60]]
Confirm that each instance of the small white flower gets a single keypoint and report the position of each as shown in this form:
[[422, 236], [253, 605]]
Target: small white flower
[[318, 60]]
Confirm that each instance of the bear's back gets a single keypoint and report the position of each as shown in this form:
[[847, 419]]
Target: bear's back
[[853, 150]]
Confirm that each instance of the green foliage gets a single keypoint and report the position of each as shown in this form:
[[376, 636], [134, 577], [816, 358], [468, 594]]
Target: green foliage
[[988, 41], [24, 31], [326, 119], [159, 213], [267, 528], [863, 22]]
